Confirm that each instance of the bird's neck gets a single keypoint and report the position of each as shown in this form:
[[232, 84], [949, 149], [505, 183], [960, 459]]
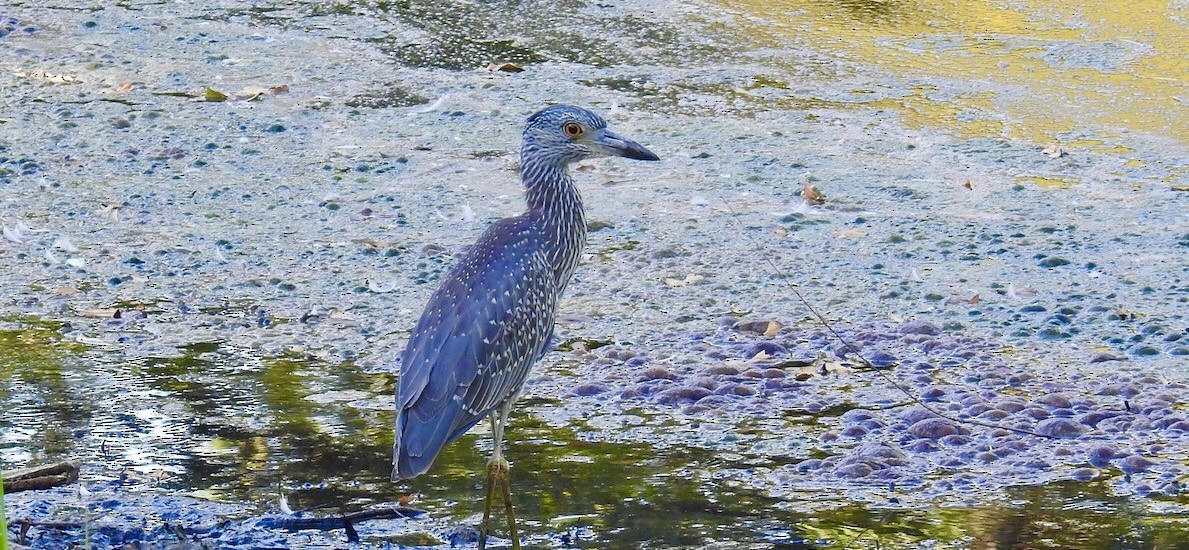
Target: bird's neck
[[553, 200]]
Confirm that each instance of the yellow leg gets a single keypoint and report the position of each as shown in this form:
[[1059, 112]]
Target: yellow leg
[[508, 507], [497, 473], [487, 507]]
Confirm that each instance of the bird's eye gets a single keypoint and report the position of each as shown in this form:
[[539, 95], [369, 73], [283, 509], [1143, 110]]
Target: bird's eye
[[572, 129]]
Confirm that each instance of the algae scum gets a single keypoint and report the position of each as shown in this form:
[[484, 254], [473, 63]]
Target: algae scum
[[212, 256]]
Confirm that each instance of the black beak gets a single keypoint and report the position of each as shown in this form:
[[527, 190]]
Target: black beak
[[623, 147]]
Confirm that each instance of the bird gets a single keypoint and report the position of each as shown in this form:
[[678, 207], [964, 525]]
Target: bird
[[491, 317]]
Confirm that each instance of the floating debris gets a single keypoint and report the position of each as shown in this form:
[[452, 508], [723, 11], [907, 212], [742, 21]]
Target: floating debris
[[812, 195], [505, 68], [1054, 151], [689, 279], [211, 94]]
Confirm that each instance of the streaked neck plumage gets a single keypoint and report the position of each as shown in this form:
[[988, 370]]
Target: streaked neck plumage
[[554, 203]]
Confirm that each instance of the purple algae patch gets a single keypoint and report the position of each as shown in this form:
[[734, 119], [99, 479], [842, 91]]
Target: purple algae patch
[[854, 470], [915, 414], [932, 393], [1054, 400], [918, 327], [923, 446], [854, 432], [1059, 428], [933, 428], [1134, 464], [881, 359], [683, 394], [657, 373], [721, 370], [586, 390], [1100, 455]]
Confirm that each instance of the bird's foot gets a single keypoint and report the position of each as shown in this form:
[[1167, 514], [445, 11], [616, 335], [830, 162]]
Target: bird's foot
[[497, 474], [497, 466]]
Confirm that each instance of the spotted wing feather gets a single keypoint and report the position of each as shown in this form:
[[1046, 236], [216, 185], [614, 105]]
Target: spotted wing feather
[[479, 335]]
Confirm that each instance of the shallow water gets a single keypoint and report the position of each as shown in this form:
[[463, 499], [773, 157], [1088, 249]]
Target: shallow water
[[268, 253]]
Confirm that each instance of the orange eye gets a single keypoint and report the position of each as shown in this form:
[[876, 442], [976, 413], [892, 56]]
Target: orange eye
[[572, 129]]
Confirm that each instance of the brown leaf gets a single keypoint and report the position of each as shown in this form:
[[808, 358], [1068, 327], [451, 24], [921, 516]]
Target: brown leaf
[[505, 67], [124, 87], [812, 195], [767, 328], [969, 185], [279, 89], [66, 290], [959, 300]]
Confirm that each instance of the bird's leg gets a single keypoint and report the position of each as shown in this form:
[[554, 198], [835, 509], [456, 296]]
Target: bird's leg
[[503, 469], [508, 507], [491, 481], [497, 473]]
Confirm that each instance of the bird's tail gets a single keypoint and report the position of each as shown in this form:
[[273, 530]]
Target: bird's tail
[[420, 436]]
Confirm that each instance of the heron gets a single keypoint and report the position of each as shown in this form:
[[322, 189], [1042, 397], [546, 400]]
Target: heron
[[492, 315]]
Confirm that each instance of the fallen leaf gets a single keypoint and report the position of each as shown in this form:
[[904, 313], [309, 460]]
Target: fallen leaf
[[690, 279], [251, 93], [101, 313], [48, 77], [66, 290], [1019, 293], [124, 87], [110, 211], [969, 185], [812, 195], [767, 328], [341, 319], [379, 288], [211, 94], [959, 300], [13, 234], [280, 89], [760, 357], [64, 244], [505, 68]]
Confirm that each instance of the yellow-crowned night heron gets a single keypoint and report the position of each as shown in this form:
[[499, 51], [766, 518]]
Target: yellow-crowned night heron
[[491, 317]]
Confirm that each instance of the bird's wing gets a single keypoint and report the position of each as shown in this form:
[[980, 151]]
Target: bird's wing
[[480, 332]]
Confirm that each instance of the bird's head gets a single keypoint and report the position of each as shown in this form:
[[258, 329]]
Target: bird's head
[[565, 134]]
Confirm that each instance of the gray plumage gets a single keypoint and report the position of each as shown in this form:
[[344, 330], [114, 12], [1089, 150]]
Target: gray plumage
[[492, 316]]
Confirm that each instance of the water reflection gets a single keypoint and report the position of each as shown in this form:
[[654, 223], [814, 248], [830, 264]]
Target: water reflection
[[218, 423], [41, 407]]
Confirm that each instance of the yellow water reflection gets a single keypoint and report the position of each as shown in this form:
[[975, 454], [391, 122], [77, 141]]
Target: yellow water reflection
[[1026, 69]]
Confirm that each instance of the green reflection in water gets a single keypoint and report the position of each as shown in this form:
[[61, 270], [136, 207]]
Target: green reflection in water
[[321, 433], [631, 494], [35, 394]]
